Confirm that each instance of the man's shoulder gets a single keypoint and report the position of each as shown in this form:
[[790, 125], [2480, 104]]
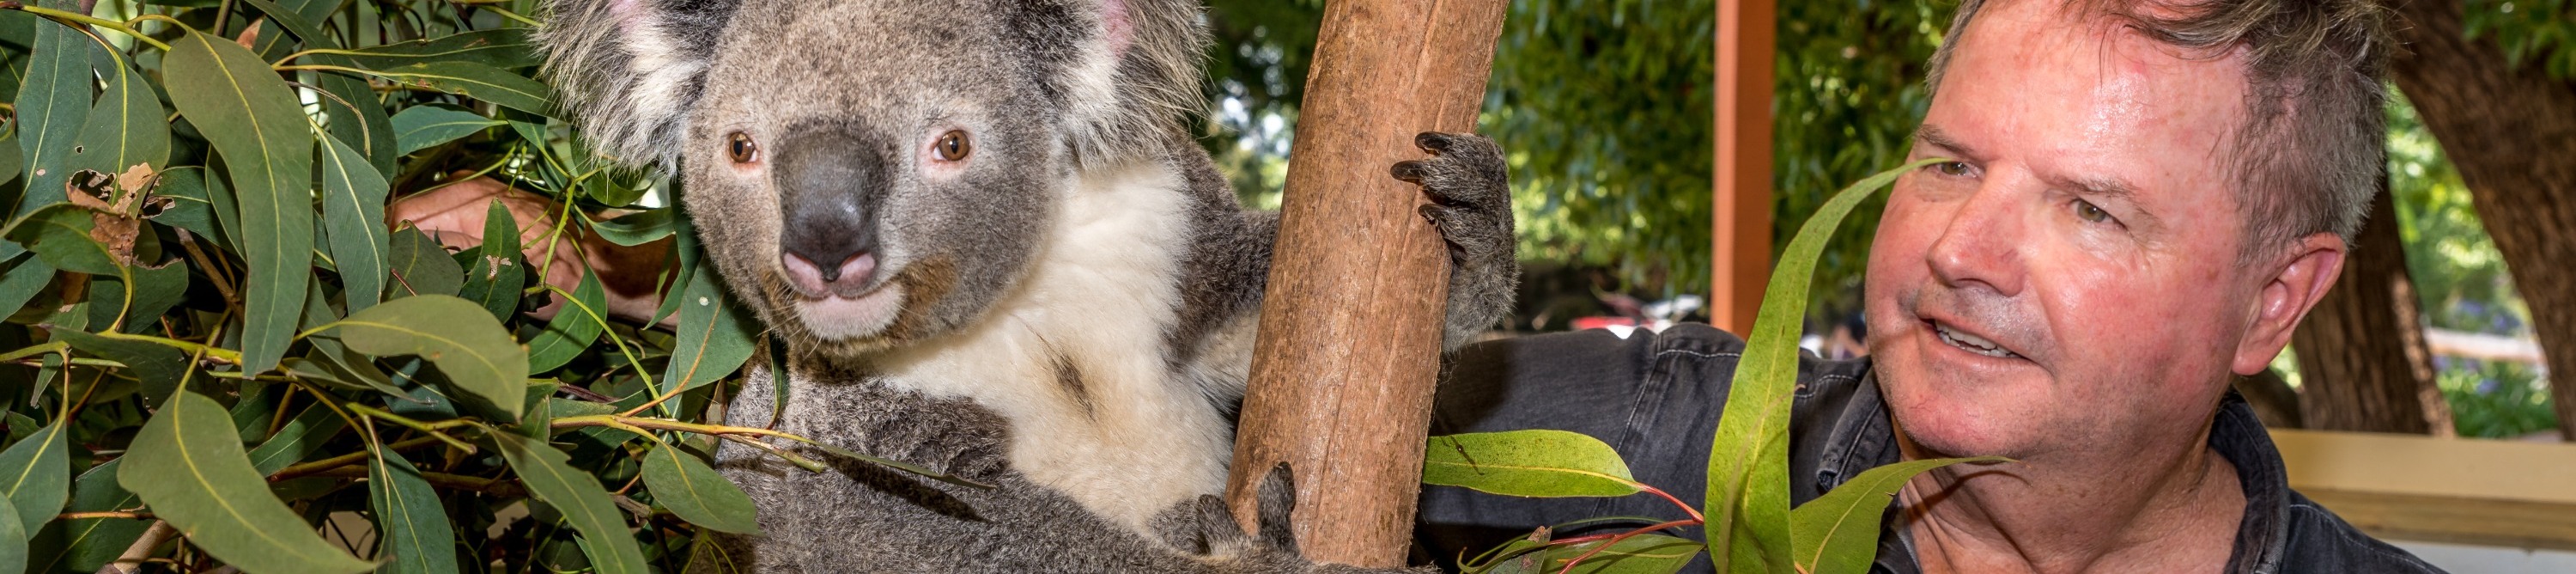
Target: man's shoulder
[[2320, 541]]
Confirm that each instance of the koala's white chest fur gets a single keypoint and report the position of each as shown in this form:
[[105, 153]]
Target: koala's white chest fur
[[1076, 357]]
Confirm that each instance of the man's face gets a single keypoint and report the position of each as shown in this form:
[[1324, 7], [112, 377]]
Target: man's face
[[2071, 280]]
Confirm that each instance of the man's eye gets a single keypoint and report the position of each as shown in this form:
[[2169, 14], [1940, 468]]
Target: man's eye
[[2091, 213], [1952, 168]]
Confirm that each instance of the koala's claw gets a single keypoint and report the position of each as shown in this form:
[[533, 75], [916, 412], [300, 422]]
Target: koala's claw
[[1469, 186]]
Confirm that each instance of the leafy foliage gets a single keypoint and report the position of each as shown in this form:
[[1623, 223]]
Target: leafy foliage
[[216, 330], [2539, 33]]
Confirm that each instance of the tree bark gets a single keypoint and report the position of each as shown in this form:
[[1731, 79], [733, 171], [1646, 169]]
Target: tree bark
[[1350, 331], [2508, 130], [2361, 350]]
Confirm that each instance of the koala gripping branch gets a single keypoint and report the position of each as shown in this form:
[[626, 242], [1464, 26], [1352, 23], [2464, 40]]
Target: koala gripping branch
[[1351, 324]]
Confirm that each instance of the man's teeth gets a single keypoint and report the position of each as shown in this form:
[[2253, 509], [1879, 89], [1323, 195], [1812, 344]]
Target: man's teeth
[[1971, 343]]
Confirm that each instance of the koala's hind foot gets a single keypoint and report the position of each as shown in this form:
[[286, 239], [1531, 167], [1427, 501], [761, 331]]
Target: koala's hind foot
[[1471, 202], [1207, 526]]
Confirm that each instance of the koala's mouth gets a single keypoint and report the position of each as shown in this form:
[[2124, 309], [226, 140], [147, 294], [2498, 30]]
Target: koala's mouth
[[847, 313]]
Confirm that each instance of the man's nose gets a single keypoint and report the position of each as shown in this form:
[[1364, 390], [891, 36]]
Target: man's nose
[[1982, 243], [831, 179]]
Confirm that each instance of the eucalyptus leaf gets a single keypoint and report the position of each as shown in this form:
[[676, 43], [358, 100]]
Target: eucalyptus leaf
[[253, 120], [296, 439], [87, 544], [186, 465], [1536, 463], [13, 542], [60, 233], [1640, 554], [422, 127], [693, 491], [577, 322], [191, 204], [1838, 532], [156, 367], [413, 525], [9, 162], [51, 107], [421, 267], [1747, 504], [502, 48], [353, 207], [126, 128], [576, 494], [24, 279], [157, 290], [637, 228], [468, 346], [35, 474], [499, 277], [478, 81], [712, 340]]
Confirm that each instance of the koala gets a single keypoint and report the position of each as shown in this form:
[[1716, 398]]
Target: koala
[[982, 235]]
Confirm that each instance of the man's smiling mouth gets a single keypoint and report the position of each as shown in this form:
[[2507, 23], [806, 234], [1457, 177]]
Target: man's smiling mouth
[[1970, 343]]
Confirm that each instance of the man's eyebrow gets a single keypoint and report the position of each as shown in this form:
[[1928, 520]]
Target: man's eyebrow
[[2103, 186], [1932, 135]]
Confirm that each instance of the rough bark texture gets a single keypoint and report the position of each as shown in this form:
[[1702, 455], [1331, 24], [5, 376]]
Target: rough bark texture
[[2361, 350], [2509, 130], [1351, 324]]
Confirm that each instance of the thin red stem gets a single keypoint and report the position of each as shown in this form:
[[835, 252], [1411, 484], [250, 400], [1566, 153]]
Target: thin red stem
[[1694, 512], [1613, 540]]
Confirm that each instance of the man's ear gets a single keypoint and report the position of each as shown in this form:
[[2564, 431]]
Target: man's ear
[[2294, 287], [629, 71]]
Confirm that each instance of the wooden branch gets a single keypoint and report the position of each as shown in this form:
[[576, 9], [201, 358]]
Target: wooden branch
[[1351, 322]]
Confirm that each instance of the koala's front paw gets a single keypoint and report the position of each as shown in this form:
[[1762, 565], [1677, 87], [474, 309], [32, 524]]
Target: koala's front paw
[[1471, 203], [949, 436], [1208, 528]]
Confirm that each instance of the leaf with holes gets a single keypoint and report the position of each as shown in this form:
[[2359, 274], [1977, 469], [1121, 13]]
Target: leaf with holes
[[498, 278], [53, 103], [126, 128]]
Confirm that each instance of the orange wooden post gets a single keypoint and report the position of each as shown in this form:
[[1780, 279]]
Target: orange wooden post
[[1746, 43], [1349, 342]]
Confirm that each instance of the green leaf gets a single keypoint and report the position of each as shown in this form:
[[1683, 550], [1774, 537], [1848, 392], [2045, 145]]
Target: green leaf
[[60, 233], [191, 205], [36, 475], [478, 81], [1747, 504], [13, 542], [1640, 554], [712, 342], [353, 207], [421, 266], [576, 494], [694, 491], [296, 439], [87, 544], [422, 127], [1538, 463], [51, 107], [414, 526], [157, 290], [502, 48], [1838, 532], [9, 162], [188, 467], [254, 122], [498, 278], [637, 228], [297, 21], [577, 323], [468, 346], [126, 128], [156, 366], [24, 280]]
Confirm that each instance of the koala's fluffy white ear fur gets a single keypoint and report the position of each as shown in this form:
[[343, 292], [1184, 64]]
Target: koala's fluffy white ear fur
[[630, 70], [1135, 82]]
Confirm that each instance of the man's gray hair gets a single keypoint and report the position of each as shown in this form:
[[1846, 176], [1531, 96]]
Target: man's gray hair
[[2313, 149]]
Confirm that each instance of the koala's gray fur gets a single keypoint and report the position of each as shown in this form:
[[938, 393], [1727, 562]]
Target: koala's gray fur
[[1075, 299]]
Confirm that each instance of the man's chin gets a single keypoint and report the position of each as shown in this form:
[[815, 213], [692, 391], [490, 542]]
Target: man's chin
[[1956, 414], [849, 320]]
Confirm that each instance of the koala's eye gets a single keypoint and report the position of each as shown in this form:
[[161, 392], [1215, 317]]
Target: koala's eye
[[952, 146], [742, 149]]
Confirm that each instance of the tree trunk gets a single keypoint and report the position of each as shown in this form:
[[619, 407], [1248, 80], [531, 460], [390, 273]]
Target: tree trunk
[[2361, 351], [1349, 342], [2509, 130]]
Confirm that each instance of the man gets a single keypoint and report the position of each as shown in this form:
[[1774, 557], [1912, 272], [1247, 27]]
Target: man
[[2143, 202]]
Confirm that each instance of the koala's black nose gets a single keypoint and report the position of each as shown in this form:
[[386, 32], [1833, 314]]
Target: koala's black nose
[[831, 179]]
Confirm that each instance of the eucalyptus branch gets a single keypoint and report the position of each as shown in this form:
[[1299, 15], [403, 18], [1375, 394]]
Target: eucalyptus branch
[[106, 514], [502, 487], [311, 468], [68, 16], [801, 462], [428, 428]]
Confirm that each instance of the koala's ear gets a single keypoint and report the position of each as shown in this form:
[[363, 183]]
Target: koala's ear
[[1135, 77], [630, 70]]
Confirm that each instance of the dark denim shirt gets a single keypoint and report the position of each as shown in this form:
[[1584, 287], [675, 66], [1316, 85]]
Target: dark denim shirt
[[1656, 397]]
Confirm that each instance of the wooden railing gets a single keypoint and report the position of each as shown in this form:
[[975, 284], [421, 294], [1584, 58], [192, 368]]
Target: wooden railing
[[2483, 492]]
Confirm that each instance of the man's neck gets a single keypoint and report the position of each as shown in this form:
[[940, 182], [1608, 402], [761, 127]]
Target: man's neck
[[2173, 513]]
